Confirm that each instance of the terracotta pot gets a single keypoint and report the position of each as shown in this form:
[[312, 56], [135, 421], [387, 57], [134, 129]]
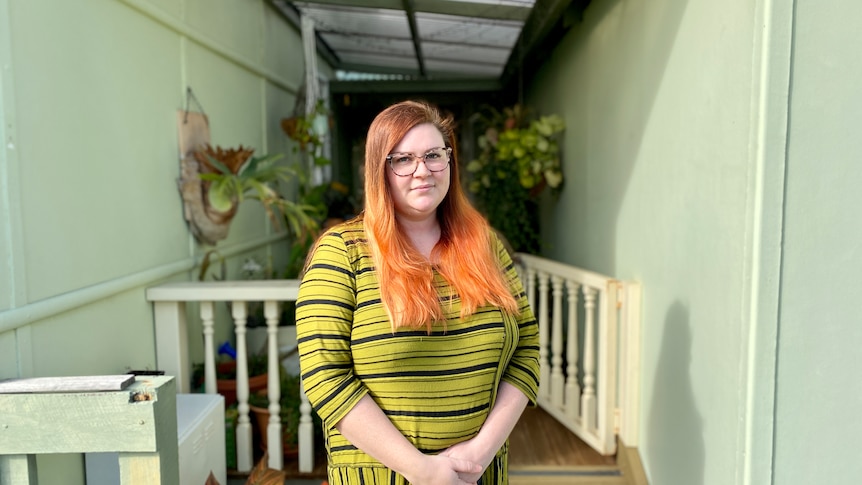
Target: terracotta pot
[[227, 387], [261, 416]]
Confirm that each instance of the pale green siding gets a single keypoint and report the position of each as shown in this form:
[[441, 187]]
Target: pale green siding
[[674, 153], [90, 214], [819, 398]]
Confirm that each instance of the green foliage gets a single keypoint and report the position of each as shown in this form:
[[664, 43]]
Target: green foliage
[[258, 179], [518, 159]]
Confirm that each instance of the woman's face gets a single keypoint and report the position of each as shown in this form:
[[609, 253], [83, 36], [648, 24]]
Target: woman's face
[[417, 196]]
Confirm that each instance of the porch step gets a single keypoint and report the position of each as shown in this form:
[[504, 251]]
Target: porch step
[[567, 476]]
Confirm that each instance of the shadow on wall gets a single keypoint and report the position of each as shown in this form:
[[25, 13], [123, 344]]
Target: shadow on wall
[[675, 448]]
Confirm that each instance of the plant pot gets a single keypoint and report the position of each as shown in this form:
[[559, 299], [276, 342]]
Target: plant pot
[[288, 447], [227, 387]]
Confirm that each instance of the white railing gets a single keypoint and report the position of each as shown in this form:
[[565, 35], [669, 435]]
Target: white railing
[[589, 341], [172, 354]]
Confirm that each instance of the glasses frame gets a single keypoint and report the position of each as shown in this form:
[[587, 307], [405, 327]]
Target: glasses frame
[[418, 158]]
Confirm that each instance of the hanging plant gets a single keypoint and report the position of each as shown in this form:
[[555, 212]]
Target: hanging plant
[[518, 159], [233, 175]]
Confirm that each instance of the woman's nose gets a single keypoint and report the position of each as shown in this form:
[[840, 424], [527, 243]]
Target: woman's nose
[[421, 168]]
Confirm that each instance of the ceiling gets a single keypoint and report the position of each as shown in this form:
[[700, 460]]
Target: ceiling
[[471, 43]]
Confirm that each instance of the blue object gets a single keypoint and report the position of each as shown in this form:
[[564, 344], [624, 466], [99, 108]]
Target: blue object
[[227, 348]]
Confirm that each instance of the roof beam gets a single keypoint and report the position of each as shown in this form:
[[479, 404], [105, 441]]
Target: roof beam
[[414, 34], [445, 7], [414, 86], [291, 15], [543, 18]]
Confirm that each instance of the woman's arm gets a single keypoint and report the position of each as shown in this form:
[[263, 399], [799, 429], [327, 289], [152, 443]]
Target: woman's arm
[[495, 431], [370, 430]]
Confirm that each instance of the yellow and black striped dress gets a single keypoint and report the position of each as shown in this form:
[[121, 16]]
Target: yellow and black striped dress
[[436, 389]]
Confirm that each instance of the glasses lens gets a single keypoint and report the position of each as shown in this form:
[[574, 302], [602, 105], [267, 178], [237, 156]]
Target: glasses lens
[[403, 163], [437, 159]]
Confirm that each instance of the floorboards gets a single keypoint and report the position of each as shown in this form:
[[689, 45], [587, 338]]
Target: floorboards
[[538, 440], [541, 452]]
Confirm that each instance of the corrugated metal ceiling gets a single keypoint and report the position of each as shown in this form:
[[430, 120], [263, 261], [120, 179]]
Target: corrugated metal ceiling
[[418, 39]]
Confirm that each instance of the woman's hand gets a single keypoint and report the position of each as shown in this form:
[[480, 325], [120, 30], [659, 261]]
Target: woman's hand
[[467, 451], [484, 446], [444, 470]]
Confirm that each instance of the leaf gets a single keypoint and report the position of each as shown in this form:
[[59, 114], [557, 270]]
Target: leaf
[[218, 165], [219, 196], [263, 475], [211, 480]]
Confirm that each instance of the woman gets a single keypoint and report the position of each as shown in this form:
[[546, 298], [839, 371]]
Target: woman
[[417, 345]]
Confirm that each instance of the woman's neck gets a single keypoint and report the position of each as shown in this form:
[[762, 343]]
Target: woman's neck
[[423, 233]]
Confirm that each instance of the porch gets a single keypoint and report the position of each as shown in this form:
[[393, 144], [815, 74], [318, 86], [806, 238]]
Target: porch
[[541, 452], [584, 430]]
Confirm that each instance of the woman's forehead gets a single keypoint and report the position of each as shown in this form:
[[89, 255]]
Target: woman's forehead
[[420, 138]]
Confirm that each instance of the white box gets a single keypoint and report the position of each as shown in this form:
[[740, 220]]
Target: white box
[[200, 436], [200, 431]]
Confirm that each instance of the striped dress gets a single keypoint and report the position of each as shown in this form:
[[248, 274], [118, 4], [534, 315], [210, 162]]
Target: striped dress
[[436, 389]]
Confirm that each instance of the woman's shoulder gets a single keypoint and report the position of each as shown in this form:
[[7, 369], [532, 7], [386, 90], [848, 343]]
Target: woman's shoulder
[[350, 231], [348, 235]]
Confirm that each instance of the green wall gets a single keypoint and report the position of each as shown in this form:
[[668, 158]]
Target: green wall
[[818, 396], [90, 214], [674, 154]]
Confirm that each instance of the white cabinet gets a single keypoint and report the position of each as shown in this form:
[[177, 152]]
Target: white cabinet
[[200, 435]]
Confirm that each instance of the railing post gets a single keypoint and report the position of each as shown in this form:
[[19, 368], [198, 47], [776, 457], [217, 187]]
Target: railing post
[[573, 389], [306, 434], [588, 400], [544, 367], [244, 458], [608, 370], [629, 398], [18, 470], [208, 324], [557, 378], [273, 428], [172, 345]]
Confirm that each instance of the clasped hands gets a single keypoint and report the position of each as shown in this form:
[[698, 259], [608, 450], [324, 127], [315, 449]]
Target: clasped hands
[[460, 464]]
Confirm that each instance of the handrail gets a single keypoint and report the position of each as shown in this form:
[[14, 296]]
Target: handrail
[[172, 353], [588, 349], [18, 317]]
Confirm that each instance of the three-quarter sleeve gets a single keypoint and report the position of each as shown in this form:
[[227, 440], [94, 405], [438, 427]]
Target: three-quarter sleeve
[[324, 319], [523, 369]]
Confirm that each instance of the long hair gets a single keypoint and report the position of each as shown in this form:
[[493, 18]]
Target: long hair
[[465, 255]]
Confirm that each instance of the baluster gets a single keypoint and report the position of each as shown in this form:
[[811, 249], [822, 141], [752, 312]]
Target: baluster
[[206, 310], [545, 371], [557, 378], [530, 283], [306, 434], [588, 400], [243, 428], [573, 389], [273, 429]]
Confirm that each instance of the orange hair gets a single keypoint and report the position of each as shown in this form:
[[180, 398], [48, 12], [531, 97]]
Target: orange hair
[[465, 254]]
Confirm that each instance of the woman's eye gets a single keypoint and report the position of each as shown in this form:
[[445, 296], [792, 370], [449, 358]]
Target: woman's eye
[[432, 156], [403, 159]]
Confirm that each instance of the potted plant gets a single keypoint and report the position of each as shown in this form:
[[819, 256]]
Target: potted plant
[[234, 175], [518, 158], [226, 376], [289, 413]]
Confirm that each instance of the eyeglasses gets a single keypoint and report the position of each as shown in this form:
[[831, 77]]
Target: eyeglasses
[[405, 164]]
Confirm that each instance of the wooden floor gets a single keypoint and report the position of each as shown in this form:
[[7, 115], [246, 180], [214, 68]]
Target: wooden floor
[[538, 440], [537, 444]]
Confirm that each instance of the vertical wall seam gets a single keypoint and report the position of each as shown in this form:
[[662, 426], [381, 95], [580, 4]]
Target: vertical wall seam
[[11, 237], [791, 57], [770, 113]]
